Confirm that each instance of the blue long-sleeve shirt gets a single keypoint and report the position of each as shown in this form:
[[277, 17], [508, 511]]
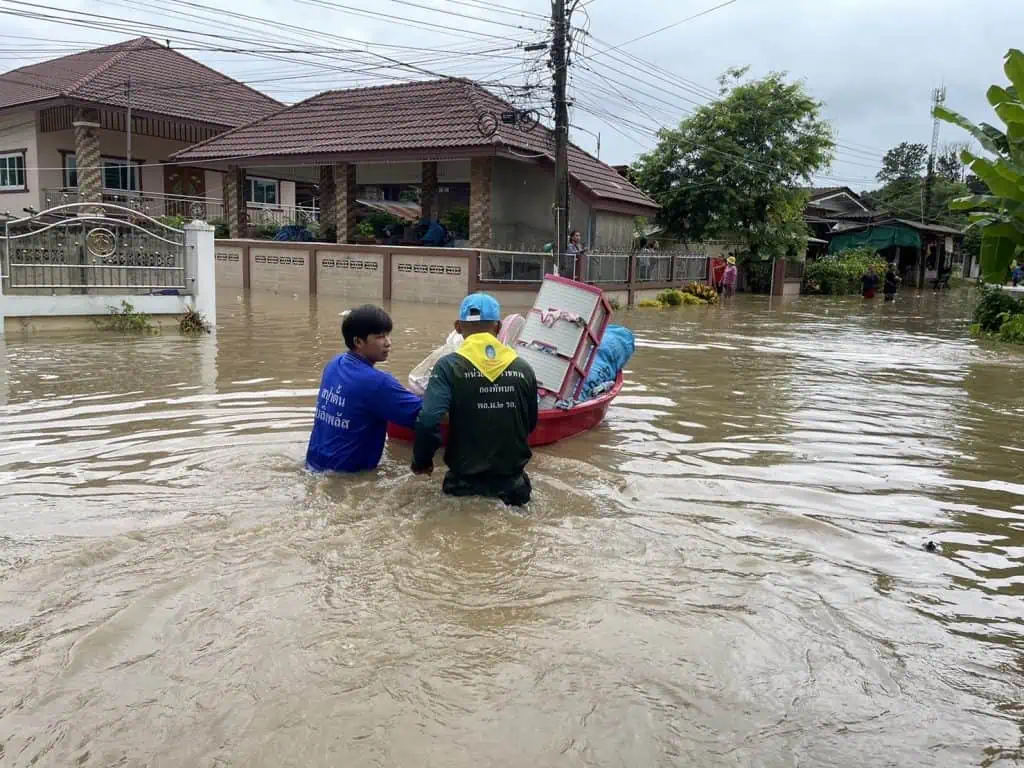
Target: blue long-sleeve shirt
[[353, 408]]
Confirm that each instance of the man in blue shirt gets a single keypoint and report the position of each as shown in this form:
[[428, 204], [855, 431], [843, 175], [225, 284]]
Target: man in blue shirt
[[356, 401]]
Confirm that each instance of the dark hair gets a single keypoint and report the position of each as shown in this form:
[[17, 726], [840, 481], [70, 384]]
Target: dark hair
[[363, 322]]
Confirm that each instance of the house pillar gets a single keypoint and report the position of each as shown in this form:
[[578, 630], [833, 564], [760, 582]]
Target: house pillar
[[88, 165], [345, 192], [327, 199], [428, 192], [235, 210], [481, 171]]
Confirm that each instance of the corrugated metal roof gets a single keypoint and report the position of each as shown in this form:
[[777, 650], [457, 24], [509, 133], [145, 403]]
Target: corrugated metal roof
[[164, 82], [935, 228], [929, 227], [431, 115]]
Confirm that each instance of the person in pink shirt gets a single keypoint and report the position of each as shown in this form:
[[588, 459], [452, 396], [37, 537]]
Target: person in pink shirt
[[729, 277]]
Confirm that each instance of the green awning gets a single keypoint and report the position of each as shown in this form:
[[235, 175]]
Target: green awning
[[877, 238]]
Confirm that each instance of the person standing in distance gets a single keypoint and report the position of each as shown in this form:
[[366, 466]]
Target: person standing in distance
[[356, 401], [490, 396]]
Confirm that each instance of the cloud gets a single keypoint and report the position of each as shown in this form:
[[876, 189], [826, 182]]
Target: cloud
[[873, 63]]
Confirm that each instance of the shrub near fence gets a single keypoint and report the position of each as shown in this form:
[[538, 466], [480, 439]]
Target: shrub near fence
[[840, 274]]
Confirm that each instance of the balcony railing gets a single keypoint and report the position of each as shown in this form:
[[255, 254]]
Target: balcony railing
[[152, 204], [157, 204]]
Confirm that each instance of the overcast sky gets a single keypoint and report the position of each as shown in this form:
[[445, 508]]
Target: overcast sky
[[873, 63]]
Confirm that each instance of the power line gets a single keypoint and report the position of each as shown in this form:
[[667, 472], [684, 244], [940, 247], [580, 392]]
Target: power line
[[391, 18], [483, 5], [104, 22], [464, 16], [666, 27], [708, 94], [597, 112]]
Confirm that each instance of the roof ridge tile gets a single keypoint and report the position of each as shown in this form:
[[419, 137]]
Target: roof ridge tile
[[92, 74]]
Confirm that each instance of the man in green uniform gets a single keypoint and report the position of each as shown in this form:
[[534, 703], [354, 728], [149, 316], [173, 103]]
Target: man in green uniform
[[490, 397]]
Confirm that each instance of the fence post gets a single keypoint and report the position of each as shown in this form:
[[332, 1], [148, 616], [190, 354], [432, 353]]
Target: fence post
[[4, 270], [779, 277], [200, 268], [630, 278]]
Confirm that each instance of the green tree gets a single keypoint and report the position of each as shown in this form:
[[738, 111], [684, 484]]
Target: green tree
[[948, 164], [1000, 214], [735, 166], [904, 161]]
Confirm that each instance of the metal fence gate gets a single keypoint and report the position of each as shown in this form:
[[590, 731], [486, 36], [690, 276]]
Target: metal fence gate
[[91, 247]]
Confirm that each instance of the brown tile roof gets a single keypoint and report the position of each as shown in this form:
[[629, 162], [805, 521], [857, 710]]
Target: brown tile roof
[[164, 82], [430, 115]]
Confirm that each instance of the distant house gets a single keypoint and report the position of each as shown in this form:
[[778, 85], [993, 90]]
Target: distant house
[[64, 131], [840, 219], [830, 209], [451, 140], [904, 242]]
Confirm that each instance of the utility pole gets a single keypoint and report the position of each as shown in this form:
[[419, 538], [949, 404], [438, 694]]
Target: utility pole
[[560, 63], [938, 98]]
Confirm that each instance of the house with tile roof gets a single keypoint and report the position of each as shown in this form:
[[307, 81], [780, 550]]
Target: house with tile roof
[[64, 130], [451, 139]]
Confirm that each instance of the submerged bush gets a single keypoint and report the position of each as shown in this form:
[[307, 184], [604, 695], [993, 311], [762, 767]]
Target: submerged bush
[[670, 297], [193, 323], [1012, 329], [839, 274], [995, 303], [126, 320]]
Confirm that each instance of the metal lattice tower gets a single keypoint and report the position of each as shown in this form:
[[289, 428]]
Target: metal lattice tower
[[938, 99]]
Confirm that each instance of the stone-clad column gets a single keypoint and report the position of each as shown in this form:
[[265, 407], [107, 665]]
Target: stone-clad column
[[480, 173], [235, 209], [327, 199], [428, 191], [88, 165], [345, 191]]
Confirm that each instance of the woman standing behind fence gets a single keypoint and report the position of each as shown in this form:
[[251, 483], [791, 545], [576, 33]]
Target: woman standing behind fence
[[729, 277], [575, 248]]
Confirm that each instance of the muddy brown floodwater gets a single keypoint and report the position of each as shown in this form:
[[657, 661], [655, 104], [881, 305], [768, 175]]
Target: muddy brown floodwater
[[730, 571]]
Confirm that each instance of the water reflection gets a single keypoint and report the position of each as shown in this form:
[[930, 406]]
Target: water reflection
[[728, 571]]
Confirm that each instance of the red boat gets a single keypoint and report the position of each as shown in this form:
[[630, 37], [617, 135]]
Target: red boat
[[552, 424]]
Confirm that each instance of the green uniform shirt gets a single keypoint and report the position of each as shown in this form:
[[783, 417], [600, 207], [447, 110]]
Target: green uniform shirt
[[489, 422]]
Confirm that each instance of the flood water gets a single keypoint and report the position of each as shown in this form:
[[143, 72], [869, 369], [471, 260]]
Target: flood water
[[730, 571]]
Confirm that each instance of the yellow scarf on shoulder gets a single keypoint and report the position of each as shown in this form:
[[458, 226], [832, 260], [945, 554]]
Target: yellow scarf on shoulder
[[489, 355]]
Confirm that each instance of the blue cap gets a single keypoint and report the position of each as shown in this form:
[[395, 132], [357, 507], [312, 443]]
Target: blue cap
[[480, 307]]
